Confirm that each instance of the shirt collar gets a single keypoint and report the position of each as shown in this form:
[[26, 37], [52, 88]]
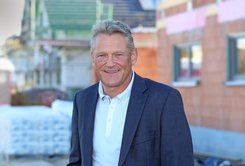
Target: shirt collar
[[124, 94]]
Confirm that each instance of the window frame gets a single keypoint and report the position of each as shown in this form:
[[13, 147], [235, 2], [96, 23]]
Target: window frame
[[177, 79], [232, 78]]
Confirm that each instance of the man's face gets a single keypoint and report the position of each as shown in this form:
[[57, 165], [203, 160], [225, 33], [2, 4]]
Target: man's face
[[113, 60]]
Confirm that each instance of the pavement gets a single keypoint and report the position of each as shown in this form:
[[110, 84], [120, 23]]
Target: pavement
[[63, 160], [23, 161], [35, 161]]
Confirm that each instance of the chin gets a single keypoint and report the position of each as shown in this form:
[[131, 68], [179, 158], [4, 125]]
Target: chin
[[112, 81], [111, 84]]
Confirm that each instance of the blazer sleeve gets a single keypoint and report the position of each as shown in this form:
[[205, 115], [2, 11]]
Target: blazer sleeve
[[75, 153], [176, 142]]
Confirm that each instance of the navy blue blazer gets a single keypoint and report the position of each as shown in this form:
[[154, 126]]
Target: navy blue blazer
[[156, 131]]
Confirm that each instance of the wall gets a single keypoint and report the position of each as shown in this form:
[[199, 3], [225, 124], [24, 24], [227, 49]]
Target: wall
[[76, 68], [4, 87], [211, 103], [146, 65]]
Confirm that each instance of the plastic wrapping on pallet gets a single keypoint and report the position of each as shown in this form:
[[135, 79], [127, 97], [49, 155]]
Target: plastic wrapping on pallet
[[31, 130], [64, 107]]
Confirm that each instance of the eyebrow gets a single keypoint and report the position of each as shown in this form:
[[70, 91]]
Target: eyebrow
[[103, 52]]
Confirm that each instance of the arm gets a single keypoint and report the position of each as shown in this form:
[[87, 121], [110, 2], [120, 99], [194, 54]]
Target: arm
[[75, 154], [176, 143]]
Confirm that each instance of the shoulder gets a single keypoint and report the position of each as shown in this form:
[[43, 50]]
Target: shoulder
[[159, 89], [154, 85], [162, 94], [93, 89]]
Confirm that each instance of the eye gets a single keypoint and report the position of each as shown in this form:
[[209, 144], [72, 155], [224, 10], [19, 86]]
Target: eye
[[100, 55], [119, 54]]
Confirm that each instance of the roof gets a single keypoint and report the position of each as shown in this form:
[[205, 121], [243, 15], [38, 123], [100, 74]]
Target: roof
[[75, 18], [132, 13], [75, 14]]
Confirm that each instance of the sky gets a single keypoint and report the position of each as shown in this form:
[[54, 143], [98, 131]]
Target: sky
[[11, 12]]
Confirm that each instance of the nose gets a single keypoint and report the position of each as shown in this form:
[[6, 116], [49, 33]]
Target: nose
[[110, 61]]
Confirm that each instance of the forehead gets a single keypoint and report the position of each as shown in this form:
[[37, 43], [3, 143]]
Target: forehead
[[111, 39]]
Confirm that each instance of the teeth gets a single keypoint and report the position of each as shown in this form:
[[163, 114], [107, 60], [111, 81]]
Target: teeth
[[111, 71]]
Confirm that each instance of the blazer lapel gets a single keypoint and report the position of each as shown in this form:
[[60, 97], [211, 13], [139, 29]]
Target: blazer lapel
[[90, 107], [134, 112]]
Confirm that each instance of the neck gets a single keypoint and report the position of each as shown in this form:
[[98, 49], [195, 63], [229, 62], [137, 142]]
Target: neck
[[114, 91]]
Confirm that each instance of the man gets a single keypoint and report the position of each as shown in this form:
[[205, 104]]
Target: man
[[125, 119]]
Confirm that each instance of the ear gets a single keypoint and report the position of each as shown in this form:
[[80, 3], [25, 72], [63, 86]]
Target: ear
[[134, 56]]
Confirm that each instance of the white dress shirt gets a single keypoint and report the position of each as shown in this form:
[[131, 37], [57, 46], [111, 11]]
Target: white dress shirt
[[108, 126]]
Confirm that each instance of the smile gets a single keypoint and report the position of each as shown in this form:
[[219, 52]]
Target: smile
[[111, 71]]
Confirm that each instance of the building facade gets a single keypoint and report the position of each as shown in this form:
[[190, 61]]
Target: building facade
[[6, 74], [201, 51], [145, 41]]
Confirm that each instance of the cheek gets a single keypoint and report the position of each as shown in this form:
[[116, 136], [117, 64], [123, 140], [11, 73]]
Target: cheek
[[97, 65]]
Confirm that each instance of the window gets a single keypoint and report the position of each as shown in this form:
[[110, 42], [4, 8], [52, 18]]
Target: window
[[236, 60], [187, 64]]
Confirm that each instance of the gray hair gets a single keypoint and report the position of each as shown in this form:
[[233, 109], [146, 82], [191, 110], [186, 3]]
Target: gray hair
[[110, 27]]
